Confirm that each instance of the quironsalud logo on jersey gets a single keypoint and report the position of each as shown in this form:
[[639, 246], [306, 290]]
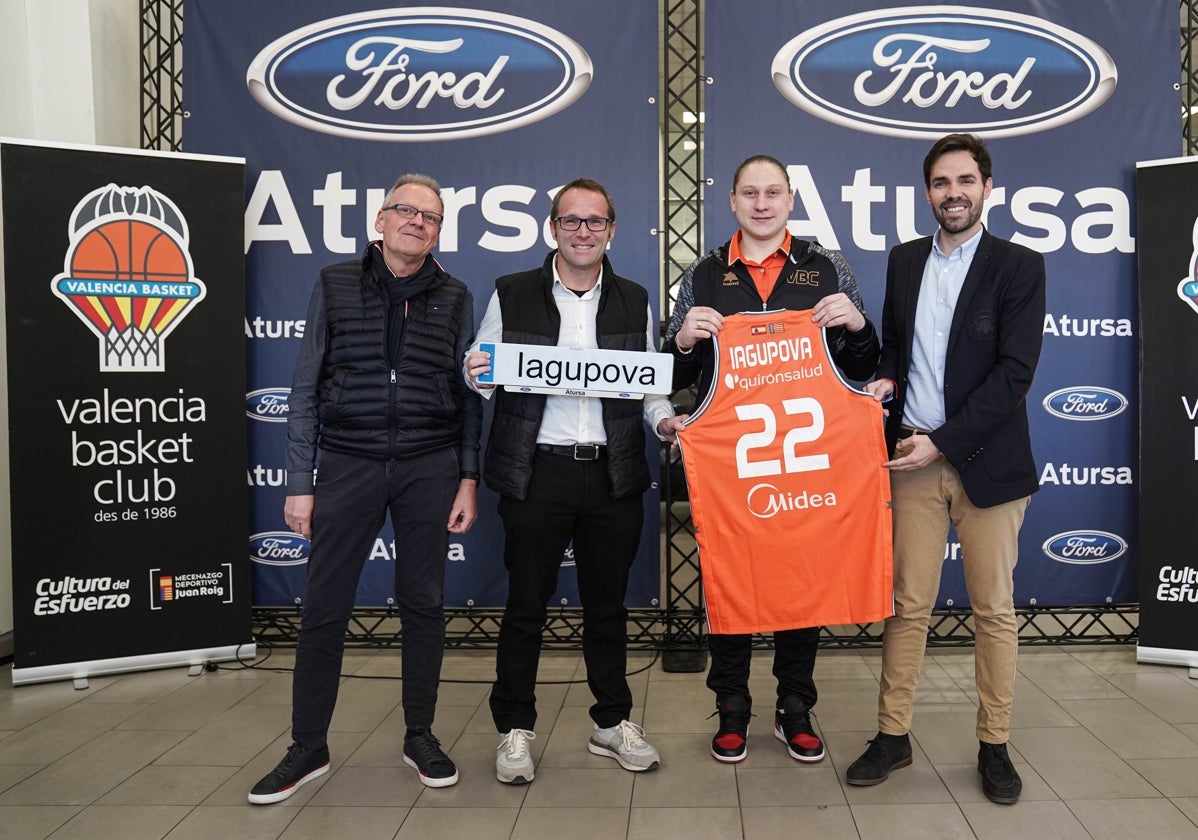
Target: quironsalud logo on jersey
[[1187, 289]]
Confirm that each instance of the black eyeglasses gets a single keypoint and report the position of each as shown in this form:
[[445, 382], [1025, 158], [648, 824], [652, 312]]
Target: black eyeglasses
[[430, 218], [595, 224]]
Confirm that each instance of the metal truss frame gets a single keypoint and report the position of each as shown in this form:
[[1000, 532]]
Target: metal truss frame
[[676, 627]]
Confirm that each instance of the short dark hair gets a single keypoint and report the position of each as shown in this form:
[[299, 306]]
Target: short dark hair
[[971, 143], [583, 184], [759, 159], [422, 180]]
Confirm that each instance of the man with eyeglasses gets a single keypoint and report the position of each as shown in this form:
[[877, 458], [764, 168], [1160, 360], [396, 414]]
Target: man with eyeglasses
[[569, 468], [378, 390]]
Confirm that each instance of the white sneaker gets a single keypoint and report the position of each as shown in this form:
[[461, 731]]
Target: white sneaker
[[625, 742], [513, 759]]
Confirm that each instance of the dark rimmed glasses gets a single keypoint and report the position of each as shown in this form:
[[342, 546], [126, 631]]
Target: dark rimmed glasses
[[595, 224], [430, 218]]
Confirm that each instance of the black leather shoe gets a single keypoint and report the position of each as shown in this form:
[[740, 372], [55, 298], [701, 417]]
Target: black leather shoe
[[1000, 781], [885, 753]]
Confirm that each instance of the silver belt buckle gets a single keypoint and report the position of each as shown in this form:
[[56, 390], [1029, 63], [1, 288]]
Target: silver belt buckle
[[581, 450]]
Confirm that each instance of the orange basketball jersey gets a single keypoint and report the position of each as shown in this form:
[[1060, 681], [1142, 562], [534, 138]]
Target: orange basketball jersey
[[789, 497]]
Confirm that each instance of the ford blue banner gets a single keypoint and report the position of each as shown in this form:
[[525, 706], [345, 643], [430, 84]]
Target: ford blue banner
[[502, 103], [1069, 95]]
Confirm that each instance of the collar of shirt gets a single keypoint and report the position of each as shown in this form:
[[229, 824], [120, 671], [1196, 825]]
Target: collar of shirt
[[764, 273], [587, 295], [964, 251]]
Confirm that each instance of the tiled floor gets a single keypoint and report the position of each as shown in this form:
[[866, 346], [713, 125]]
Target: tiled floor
[[1107, 749]]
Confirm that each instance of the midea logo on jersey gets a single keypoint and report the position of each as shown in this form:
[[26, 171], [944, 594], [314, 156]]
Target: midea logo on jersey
[[766, 501], [924, 71], [419, 74], [1085, 403], [279, 548], [1085, 547], [267, 404]]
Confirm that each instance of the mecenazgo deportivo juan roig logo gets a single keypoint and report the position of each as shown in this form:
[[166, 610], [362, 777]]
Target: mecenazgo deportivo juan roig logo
[[419, 74], [128, 275], [924, 71]]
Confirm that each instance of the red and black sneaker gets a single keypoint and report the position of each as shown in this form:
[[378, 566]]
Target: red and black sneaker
[[792, 726], [730, 743]]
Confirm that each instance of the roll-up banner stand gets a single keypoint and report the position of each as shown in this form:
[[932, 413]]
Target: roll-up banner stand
[[1167, 236], [124, 294]]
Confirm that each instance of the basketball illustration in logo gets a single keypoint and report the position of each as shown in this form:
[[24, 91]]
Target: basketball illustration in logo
[[128, 274]]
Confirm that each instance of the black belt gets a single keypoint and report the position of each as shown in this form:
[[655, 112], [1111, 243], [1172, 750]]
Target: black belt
[[906, 432], [577, 451]]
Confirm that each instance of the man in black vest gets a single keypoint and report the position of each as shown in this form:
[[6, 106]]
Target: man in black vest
[[569, 468], [378, 389]]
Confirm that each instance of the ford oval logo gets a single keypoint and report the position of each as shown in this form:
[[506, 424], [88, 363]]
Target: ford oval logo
[[924, 71], [1086, 403], [279, 548], [267, 404], [1085, 547], [419, 74]]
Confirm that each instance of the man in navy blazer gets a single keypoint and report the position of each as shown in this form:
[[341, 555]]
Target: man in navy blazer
[[962, 325]]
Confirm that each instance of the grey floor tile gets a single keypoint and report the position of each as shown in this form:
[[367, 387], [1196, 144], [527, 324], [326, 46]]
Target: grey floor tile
[[910, 822], [1023, 820], [1033, 708], [673, 707], [688, 778], [128, 822], [571, 787], [841, 665], [947, 734], [1172, 698], [39, 744], [1077, 765], [166, 785], [814, 785], [391, 787], [1131, 730], [364, 704], [231, 738], [1171, 776], [1125, 819], [92, 770], [359, 823], [1189, 807], [10, 774], [33, 822], [578, 823], [847, 705], [684, 824], [459, 824], [785, 823], [228, 821], [1064, 678], [203, 699]]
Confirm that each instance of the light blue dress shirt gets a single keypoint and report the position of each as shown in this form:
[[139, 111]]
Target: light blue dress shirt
[[943, 277]]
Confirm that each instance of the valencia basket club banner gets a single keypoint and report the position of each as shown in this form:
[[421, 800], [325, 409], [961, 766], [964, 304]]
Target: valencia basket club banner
[[124, 291], [1069, 96], [1167, 202], [501, 101]]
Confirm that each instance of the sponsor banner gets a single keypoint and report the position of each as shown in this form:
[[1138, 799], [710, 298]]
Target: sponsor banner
[[124, 292], [537, 369], [503, 102], [858, 90], [1167, 203]]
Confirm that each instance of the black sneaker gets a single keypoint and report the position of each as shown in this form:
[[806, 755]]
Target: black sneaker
[[297, 768], [422, 751], [730, 743], [885, 753], [1000, 781], [792, 726]]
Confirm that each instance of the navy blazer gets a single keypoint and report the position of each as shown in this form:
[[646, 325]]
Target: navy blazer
[[993, 348]]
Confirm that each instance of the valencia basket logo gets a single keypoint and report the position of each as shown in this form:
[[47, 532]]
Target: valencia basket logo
[[128, 274]]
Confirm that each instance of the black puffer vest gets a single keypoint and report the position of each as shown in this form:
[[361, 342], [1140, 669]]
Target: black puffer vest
[[375, 406]]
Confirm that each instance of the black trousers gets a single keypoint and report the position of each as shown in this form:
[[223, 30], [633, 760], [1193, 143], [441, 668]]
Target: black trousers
[[567, 499], [353, 496], [794, 663]]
